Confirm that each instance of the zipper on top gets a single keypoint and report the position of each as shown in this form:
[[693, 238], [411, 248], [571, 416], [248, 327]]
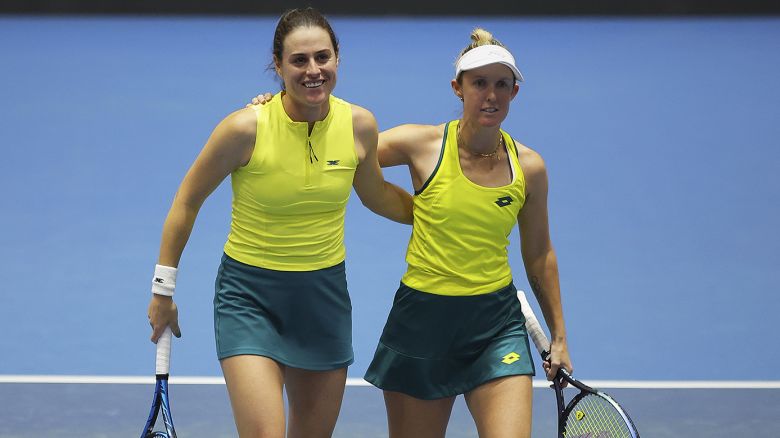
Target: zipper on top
[[312, 159]]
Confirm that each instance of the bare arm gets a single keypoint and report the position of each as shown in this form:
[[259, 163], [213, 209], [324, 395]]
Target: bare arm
[[539, 258], [416, 146], [393, 146], [380, 196], [228, 148]]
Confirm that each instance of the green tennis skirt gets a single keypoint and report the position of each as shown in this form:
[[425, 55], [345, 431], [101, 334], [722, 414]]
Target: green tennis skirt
[[436, 346], [299, 319]]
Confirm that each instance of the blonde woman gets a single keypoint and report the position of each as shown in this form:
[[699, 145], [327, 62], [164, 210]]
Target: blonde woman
[[456, 326]]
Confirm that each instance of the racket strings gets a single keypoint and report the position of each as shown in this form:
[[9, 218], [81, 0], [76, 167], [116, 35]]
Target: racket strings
[[595, 417]]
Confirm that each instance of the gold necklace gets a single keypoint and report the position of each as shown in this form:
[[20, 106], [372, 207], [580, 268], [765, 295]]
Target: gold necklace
[[480, 154]]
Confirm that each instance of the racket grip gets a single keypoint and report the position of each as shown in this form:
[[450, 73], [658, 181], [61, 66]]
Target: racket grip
[[164, 352], [532, 326]]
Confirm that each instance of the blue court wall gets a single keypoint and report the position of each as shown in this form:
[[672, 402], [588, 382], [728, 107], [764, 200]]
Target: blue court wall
[[660, 137]]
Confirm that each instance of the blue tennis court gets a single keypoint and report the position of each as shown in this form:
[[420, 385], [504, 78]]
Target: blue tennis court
[[661, 141], [203, 410]]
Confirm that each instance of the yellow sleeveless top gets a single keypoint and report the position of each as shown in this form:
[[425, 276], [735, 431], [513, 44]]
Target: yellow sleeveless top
[[461, 230], [289, 201]]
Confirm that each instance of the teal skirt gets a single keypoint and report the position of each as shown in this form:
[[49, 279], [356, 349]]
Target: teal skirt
[[299, 319], [436, 346]]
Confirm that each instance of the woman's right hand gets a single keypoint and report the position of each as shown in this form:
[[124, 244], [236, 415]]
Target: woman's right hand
[[261, 99], [163, 313]]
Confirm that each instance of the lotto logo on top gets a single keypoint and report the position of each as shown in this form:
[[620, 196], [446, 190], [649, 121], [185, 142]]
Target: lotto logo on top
[[504, 201]]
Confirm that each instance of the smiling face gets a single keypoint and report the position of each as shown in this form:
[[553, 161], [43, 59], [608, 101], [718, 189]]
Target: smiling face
[[308, 67], [486, 92]]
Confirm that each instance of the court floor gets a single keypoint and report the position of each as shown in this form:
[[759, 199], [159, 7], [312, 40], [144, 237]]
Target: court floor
[[120, 410]]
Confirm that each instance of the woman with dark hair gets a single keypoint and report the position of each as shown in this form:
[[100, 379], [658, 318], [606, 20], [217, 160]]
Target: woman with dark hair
[[282, 313]]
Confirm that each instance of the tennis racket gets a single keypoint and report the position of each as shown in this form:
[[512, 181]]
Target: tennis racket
[[591, 413], [160, 401]]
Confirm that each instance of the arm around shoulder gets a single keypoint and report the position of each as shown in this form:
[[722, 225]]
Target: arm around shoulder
[[378, 195], [401, 145]]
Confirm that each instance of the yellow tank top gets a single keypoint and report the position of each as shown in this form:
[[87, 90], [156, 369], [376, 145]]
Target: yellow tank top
[[289, 201], [461, 229]]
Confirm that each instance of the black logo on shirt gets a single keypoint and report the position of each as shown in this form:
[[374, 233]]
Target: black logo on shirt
[[504, 201], [333, 162]]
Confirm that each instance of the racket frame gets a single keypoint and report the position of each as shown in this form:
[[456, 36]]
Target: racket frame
[[542, 344], [585, 390]]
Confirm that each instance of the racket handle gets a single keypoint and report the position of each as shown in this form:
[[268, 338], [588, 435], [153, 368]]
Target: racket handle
[[164, 352], [532, 326]]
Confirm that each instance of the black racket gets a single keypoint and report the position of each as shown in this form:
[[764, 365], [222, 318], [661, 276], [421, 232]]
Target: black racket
[[160, 401], [591, 413]]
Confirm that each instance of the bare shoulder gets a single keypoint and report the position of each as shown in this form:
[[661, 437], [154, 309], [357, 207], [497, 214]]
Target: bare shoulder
[[364, 129], [233, 140], [363, 120], [241, 124], [531, 162]]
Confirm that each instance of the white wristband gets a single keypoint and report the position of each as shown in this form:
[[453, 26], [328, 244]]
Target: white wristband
[[164, 281]]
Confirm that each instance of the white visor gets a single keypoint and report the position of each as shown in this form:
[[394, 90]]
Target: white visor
[[484, 55]]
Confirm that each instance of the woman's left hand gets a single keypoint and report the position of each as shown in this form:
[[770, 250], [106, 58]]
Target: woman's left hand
[[559, 358]]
